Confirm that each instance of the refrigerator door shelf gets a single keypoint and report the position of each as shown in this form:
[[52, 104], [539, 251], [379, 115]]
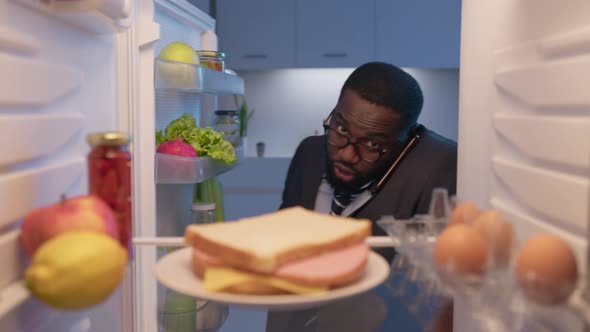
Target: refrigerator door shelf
[[187, 77], [94, 16], [12, 296], [179, 169]]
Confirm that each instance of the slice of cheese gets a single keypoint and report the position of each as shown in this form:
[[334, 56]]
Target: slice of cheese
[[217, 279]]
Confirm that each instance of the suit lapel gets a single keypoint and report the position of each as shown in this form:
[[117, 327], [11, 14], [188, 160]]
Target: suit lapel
[[313, 175]]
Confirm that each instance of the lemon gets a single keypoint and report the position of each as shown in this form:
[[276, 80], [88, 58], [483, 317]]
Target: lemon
[[179, 52], [76, 269]]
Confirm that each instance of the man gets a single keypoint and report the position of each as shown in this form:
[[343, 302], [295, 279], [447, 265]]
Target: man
[[374, 158]]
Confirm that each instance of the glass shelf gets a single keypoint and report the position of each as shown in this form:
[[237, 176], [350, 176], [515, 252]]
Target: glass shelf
[[170, 75], [178, 169]]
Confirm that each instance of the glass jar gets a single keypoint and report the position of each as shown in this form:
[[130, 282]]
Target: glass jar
[[212, 60], [203, 213], [109, 177], [228, 122]]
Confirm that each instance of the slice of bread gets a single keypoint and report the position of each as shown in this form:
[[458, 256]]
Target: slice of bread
[[263, 243], [336, 276], [250, 287]]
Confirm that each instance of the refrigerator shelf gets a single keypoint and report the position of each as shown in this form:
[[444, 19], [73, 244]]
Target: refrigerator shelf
[[13, 295], [170, 75], [172, 241], [179, 169], [95, 17]]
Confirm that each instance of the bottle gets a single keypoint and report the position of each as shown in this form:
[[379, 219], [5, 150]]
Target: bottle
[[228, 122], [203, 213], [212, 59], [109, 177]]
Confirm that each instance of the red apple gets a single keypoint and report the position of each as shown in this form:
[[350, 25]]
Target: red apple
[[81, 213]]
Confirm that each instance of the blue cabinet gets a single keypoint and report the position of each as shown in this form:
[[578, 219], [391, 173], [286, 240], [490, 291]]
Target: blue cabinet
[[418, 33], [267, 34], [334, 33], [257, 34]]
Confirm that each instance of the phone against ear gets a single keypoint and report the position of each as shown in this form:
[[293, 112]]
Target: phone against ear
[[414, 135]]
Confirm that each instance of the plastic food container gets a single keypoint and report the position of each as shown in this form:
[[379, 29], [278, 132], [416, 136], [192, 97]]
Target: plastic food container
[[212, 60], [179, 169]]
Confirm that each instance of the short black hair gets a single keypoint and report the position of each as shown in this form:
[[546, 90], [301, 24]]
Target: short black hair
[[386, 85]]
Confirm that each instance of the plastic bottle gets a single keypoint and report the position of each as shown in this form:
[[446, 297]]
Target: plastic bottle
[[203, 213]]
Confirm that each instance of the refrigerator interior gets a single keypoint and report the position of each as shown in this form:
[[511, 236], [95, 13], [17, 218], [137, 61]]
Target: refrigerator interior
[[66, 74], [63, 75], [173, 200], [166, 201], [524, 121], [524, 126]]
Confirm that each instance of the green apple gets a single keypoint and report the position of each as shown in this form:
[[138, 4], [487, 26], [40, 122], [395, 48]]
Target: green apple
[[179, 52], [178, 70]]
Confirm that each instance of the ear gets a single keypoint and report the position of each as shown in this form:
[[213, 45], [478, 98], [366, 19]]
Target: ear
[[411, 131], [329, 117]]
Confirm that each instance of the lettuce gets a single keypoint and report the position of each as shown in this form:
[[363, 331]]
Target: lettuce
[[207, 141]]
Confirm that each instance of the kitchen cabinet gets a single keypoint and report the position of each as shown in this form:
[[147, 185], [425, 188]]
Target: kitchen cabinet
[[202, 5], [257, 34], [418, 33], [334, 33]]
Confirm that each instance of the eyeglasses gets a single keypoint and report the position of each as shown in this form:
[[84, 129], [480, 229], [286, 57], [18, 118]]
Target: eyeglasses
[[365, 152]]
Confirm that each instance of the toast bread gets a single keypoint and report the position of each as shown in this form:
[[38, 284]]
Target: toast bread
[[263, 243], [199, 266]]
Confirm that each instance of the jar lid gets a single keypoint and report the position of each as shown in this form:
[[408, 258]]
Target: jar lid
[[211, 53], [226, 112], [203, 206], [108, 138]]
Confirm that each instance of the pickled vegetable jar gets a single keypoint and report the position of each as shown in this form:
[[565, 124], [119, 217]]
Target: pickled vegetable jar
[[212, 59], [109, 177]]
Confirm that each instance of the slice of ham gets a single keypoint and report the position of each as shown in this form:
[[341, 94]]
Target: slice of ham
[[331, 268]]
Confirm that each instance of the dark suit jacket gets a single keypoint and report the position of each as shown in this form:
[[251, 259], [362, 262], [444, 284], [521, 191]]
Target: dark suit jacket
[[431, 163]]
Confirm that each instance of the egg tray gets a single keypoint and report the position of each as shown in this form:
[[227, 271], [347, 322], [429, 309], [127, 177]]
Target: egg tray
[[495, 301]]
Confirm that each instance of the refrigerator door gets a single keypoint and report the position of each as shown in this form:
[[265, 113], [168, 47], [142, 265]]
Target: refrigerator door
[[524, 125], [64, 73], [159, 23]]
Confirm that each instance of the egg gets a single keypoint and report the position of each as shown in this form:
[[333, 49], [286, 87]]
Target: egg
[[546, 269], [464, 212], [499, 234], [461, 249]]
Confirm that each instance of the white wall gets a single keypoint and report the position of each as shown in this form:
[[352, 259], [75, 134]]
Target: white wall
[[291, 104]]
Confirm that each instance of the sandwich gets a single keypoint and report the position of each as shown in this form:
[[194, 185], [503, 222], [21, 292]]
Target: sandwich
[[293, 250]]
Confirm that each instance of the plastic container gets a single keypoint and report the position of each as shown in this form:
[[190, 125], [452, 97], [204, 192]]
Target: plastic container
[[179, 169], [228, 122], [203, 213], [170, 75], [212, 60]]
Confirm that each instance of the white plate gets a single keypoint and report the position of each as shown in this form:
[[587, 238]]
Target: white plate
[[174, 271]]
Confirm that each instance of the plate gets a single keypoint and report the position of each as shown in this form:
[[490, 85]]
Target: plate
[[174, 271]]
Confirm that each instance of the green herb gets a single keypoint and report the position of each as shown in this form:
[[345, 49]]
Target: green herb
[[207, 141], [245, 115]]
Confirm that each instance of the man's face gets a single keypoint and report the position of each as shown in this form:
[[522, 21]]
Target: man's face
[[365, 123]]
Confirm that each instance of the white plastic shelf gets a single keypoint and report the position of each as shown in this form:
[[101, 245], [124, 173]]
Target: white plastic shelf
[[171, 75], [178, 169], [96, 17]]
